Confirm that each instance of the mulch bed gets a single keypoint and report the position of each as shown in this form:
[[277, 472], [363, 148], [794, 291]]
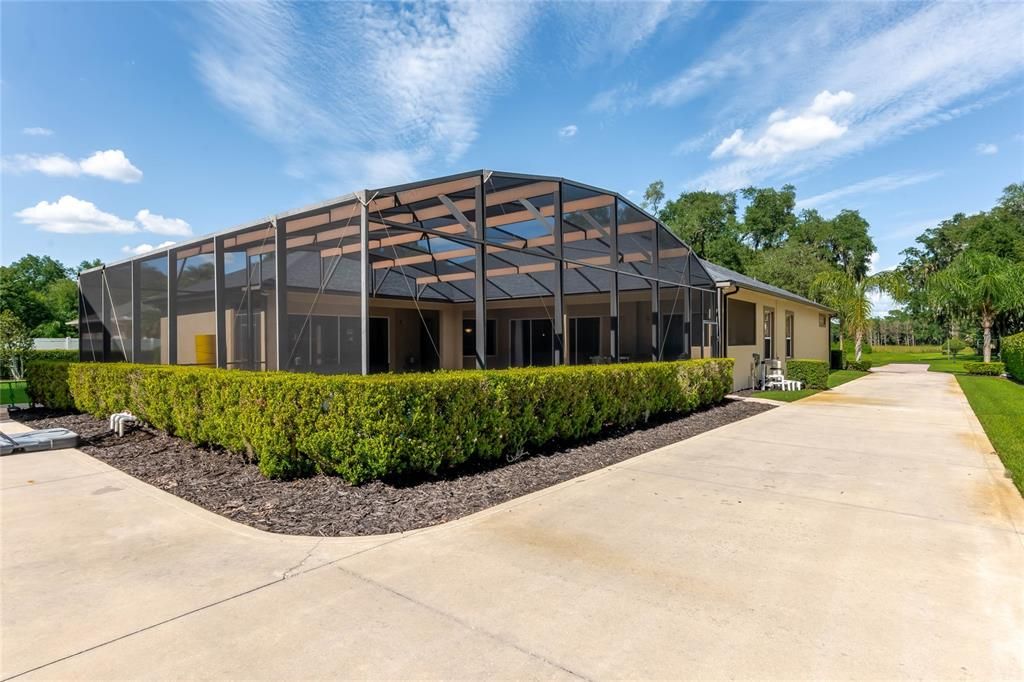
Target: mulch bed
[[225, 483]]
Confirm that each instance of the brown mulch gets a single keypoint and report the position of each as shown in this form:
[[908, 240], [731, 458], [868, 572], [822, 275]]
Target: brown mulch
[[227, 484]]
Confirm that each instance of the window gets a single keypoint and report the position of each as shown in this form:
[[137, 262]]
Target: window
[[532, 343], [742, 325], [469, 337], [822, 320], [789, 334], [769, 333]]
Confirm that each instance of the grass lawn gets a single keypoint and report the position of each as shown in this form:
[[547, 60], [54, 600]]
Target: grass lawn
[[836, 378], [999, 404], [936, 360], [17, 388]]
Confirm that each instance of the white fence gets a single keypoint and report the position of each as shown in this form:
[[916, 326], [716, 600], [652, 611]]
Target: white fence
[[55, 344]]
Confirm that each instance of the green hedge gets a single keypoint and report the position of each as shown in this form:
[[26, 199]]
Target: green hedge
[[985, 368], [55, 354], [862, 366], [1011, 350], [46, 383], [362, 428], [813, 373]]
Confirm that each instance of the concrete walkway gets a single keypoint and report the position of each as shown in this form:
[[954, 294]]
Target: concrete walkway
[[866, 532]]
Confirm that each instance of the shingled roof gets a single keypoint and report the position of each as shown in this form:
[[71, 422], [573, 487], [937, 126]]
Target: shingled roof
[[725, 277]]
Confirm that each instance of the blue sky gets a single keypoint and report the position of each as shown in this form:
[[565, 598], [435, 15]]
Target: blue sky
[[133, 124]]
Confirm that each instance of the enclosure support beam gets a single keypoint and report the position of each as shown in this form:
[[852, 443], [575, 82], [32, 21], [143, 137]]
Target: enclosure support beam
[[136, 352], [561, 354], [613, 341], [218, 302], [480, 277], [172, 307], [105, 314], [364, 283], [281, 292], [656, 341]]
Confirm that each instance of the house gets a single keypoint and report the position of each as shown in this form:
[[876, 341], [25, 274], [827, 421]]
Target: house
[[483, 269], [767, 322]]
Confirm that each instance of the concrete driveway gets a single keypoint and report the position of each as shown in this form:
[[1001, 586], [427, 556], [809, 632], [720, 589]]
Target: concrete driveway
[[867, 532]]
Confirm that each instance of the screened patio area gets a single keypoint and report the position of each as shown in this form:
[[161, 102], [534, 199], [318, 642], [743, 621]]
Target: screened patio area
[[479, 270]]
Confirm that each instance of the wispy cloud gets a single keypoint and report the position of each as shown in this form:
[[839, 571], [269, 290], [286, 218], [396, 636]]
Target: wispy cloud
[[363, 93], [602, 31], [910, 230], [37, 132], [876, 185], [568, 131], [111, 164], [986, 149], [909, 65]]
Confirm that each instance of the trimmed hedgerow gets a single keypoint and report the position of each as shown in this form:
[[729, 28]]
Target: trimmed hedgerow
[[53, 354], [813, 373], [1011, 350], [985, 368], [363, 428], [860, 366], [46, 383]]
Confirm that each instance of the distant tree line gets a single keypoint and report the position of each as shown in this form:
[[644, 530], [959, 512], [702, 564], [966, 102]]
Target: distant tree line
[[965, 277], [41, 293]]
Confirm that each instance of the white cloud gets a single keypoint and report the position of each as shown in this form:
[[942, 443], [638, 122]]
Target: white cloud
[[568, 131], [69, 215], [882, 183], [784, 135], [158, 224], [55, 165], [111, 164], [144, 248], [825, 102], [986, 149], [37, 132]]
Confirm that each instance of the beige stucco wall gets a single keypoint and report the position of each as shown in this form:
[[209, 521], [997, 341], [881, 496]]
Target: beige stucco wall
[[810, 340]]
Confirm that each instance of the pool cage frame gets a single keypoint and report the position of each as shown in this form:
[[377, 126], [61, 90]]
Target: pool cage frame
[[478, 240]]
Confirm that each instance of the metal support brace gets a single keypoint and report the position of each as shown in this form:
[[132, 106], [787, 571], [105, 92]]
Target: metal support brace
[[656, 341], [281, 292], [613, 340], [218, 302], [364, 283], [172, 307], [136, 350], [560, 351], [480, 277], [105, 314]]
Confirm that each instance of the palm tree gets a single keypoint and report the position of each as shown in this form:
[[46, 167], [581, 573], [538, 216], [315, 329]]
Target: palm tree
[[981, 284], [850, 296]]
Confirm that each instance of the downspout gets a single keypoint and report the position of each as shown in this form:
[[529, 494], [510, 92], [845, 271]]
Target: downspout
[[723, 320]]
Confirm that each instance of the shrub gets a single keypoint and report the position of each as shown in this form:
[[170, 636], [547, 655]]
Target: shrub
[[362, 428], [861, 366], [55, 354], [813, 373], [866, 349], [1011, 350], [955, 345], [985, 368], [47, 384]]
